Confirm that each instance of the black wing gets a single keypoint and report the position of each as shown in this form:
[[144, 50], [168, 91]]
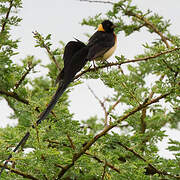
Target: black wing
[[74, 65], [70, 49], [100, 43]]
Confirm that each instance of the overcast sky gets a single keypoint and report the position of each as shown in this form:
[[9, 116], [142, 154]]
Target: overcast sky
[[62, 19]]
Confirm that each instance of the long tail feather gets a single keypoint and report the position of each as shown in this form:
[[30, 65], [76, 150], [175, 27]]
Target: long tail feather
[[78, 60], [61, 88], [23, 141]]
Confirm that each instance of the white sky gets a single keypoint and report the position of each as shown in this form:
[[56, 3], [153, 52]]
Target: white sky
[[62, 19]]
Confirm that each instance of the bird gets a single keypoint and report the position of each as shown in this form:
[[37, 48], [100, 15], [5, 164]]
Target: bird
[[100, 46], [103, 42]]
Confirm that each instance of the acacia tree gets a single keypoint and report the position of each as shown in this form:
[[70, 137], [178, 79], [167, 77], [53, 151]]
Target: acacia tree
[[64, 148]]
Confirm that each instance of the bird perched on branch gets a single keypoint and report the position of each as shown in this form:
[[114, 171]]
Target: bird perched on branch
[[100, 46]]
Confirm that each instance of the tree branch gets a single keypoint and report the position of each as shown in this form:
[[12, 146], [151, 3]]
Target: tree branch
[[7, 16], [149, 164], [104, 171], [39, 37], [94, 1], [114, 106], [30, 67], [71, 142], [101, 161], [24, 175], [102, 105], [15, 96], [87, 153], [108, 128], [52, 57], [125, 62], [149, 25]]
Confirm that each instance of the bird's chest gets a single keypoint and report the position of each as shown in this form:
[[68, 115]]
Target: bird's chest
[[108, 53]]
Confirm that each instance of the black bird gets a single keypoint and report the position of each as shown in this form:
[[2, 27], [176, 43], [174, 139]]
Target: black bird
[[103, 42], [100, 46]]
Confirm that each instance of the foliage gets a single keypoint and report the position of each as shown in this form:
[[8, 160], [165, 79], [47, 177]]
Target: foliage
[[62, 147]]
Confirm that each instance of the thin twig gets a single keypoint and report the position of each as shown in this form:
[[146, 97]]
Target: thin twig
[[52, 57], [60, 166], [36, 34], [143, 123], [128, 90], [30, 67], [148, 24], [101, 161], [102, 105], [87, 153], [104, 171], [71, 142], [114, 106], [143, 115]]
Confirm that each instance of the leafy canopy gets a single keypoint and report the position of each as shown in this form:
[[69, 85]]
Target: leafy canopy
[[123, 144]]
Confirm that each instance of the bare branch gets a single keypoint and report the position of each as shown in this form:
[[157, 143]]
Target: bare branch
[[102, 105], [114, 106]]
